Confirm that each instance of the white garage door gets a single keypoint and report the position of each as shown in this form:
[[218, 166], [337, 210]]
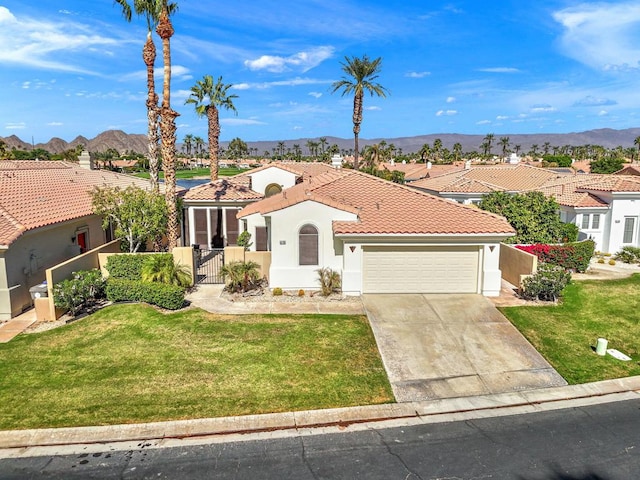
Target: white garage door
[[421, 269]]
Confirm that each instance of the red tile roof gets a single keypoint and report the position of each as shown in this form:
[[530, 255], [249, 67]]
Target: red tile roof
[[629, 170], [36, 194], [224, 189], [384, 208]]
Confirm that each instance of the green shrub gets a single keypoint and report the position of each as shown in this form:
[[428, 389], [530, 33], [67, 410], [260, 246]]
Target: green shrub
[[276, 292], [612, 262], [546, 284], [166, 296], [80, 292], [629, 254], [601, 260], [241, 276], [570, 232], [330, 281], [125, 266], [162, 268]]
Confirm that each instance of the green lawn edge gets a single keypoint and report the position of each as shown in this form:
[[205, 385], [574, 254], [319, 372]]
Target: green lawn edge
[[131, 363], [566, 334]]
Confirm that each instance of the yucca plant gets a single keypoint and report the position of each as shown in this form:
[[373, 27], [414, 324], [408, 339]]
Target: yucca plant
[[330, 281], [162, 268]]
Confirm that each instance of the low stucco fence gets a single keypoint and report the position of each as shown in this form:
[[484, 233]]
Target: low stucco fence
[[234, 254], [516, 264], [96, 258]]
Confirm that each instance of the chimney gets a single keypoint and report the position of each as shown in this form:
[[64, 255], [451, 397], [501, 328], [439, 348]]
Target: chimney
[[85, 160], [429, 165], [467, 165]]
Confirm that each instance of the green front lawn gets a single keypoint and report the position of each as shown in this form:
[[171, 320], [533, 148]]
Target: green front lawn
[[196, 173], [565, 334], [130, 363]]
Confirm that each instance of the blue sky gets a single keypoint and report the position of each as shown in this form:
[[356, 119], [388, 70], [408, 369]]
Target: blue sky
[[72, 67]]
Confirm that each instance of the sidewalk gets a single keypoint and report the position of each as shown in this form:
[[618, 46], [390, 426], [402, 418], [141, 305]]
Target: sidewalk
[[161, 434], [17, 325]]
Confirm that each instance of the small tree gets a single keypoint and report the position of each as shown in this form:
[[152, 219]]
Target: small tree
[[241, 276], [137, 215], [162, 268], [546, 284], [330, 281]]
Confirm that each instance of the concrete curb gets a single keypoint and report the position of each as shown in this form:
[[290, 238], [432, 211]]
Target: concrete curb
[[479, 406]]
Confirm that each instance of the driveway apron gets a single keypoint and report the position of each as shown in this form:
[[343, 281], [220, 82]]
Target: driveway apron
[[444, 346]]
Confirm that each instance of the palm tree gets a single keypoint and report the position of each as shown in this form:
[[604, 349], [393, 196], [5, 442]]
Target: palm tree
[[534, 151], [457, 151], [151, 9], [361, 74], [636, 142], [207, 97], [188, 143], [323, 144], [199, 146], [504, 143], [164, 29], [437, 149], [487, 143]]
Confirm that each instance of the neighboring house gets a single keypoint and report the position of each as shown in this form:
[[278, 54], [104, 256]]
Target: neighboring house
[[417, 171], [629, 170], [380, 236], [46, 218], [210, 209], [606, 208]]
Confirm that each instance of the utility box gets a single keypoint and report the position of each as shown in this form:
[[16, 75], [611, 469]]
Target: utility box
[[39, 291]]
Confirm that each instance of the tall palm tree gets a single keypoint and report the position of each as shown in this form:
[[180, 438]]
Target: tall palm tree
[[164, 29], [199, 146], [151, 10], [361, 74], [636, 142], [487, 143], [457, 151], [207, 96], [188, 143], [504, 143]]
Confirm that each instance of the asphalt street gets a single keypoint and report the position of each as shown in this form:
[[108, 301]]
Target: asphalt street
[[600, 442]]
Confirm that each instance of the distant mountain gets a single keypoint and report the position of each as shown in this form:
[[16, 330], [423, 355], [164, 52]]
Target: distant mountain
[[122, 141]]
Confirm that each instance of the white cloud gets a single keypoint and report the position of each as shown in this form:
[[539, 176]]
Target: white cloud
[[178, 72], [603, 113], [16, 126], [591, 101], [502, 117], [451, 99], [46, 44], [315, 94], [55, 124], [373, 108], [483, 122], [241, 121], [293, 82], [441, 113], [602, 35], [499, 70], [417, 74], [542, 108], [303, 61]]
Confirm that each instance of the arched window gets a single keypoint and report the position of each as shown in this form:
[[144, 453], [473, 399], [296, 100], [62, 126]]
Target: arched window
[[308, 245], [272, 189]]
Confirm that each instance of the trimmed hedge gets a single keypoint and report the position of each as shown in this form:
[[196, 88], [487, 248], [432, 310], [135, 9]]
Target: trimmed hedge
[[129, 266], [166, 296], [570, 256]]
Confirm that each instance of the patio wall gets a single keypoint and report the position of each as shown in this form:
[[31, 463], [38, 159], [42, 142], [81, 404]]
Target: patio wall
[[232, 254], [516, 264]]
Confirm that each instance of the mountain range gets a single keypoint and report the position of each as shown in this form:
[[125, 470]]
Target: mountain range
[[121, 141]]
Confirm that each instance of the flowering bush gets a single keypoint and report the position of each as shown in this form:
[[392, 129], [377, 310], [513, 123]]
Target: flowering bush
[[570, 256]]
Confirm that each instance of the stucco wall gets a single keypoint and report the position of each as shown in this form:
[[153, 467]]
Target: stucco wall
[[514, 263], [260, 180], [285, 271], [623, 207], [27, 259], [237, 254]]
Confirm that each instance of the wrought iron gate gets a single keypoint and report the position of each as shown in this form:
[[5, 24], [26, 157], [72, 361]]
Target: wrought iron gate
[[209, 263]]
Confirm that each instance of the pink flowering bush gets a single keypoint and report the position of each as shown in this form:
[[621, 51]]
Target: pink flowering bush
[[570, 256]]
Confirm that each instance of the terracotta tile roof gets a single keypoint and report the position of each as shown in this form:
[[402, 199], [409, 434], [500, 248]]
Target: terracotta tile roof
[[615, 183], [629, 170], [36, 194], [511, 178], [384, 208], [304, 169], [224, 189]]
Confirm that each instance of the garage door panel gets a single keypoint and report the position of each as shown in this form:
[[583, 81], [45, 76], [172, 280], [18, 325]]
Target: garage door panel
[[420, 270]]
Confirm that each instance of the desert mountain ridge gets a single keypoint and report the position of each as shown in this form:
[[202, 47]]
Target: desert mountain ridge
[[121, 141]]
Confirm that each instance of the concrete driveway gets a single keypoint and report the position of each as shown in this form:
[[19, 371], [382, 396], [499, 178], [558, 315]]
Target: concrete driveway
[[444, 346]]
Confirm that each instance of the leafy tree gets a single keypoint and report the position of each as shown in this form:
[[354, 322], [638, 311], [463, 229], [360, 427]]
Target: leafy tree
[[207, 96], [607, 165], [533, 216], [559, 160], [360, 77], [237, 148], [137, 215]]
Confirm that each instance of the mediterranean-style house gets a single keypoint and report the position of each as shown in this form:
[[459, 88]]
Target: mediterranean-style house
[[606, 208], [380, 236], [46, 218]]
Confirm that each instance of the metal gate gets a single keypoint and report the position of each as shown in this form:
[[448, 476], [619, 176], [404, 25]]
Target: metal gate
[[209, 263]]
